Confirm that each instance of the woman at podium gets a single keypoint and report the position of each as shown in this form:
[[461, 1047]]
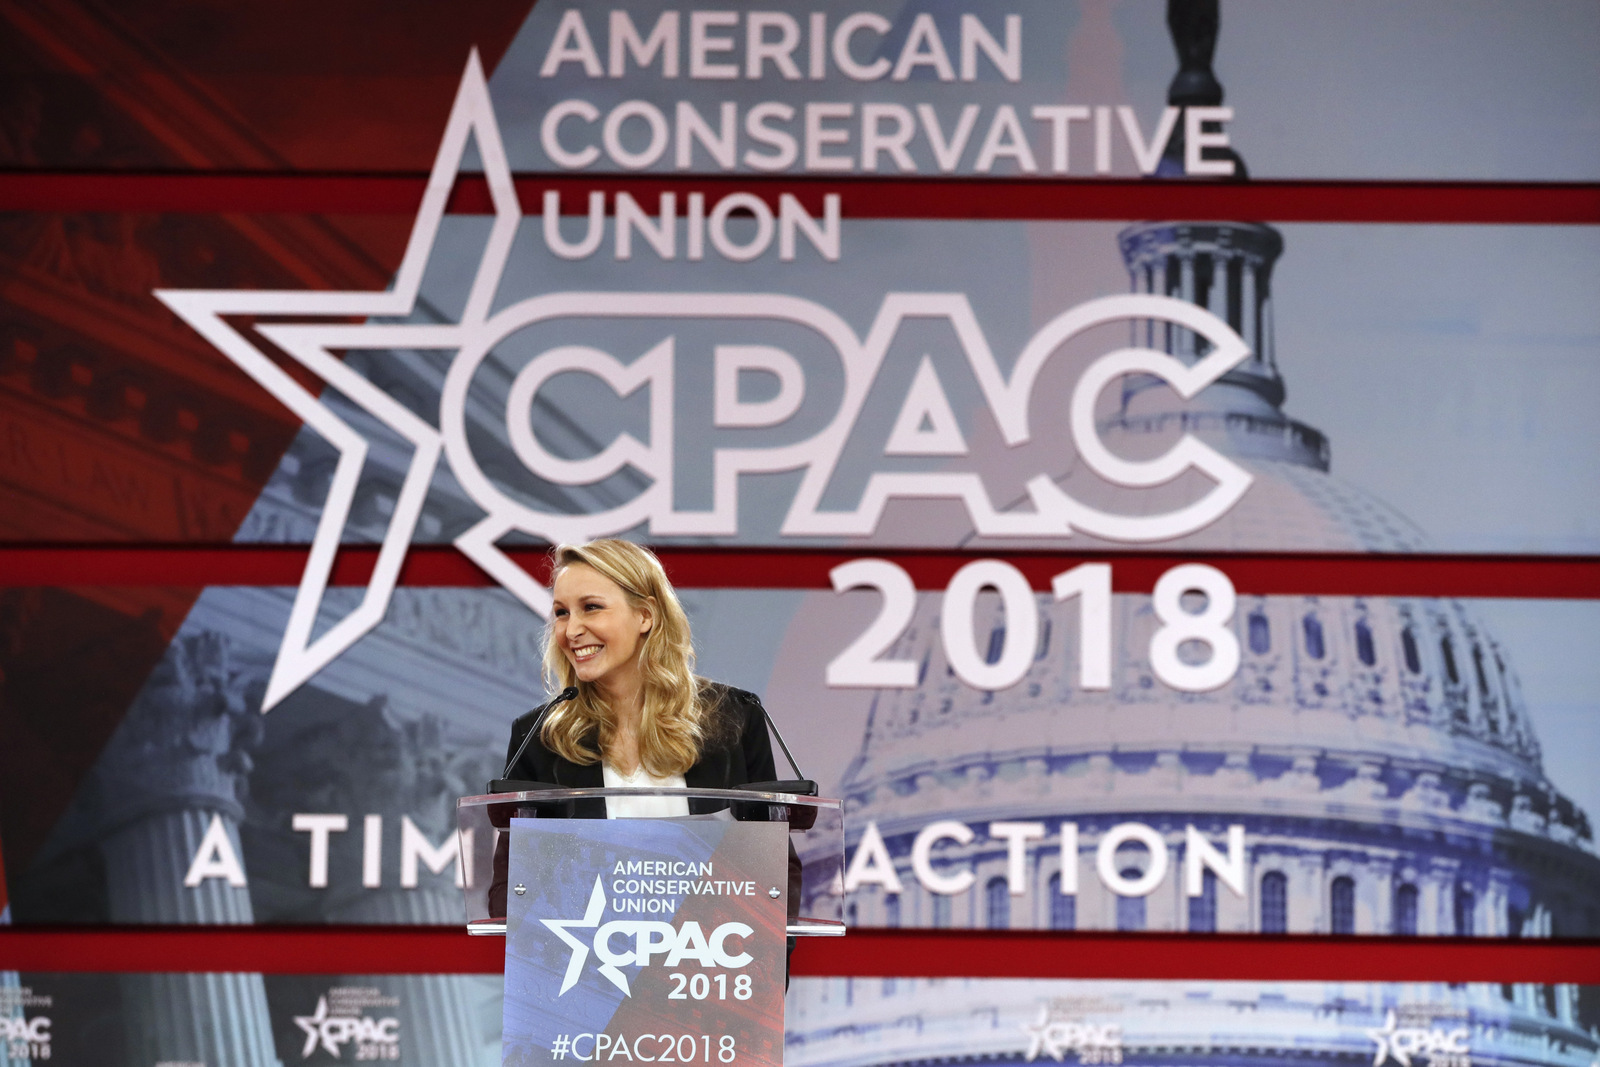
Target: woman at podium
[[639, 716]]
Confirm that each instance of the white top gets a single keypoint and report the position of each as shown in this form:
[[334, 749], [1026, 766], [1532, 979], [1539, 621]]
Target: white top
[[642, 807]]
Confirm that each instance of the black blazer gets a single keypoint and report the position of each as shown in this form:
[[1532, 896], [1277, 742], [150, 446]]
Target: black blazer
[[736, 751]]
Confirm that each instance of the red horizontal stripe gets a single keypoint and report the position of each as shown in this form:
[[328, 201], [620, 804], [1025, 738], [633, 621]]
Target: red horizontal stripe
[[886, 198], [1053, 954], [1346, 574], [863, 953]]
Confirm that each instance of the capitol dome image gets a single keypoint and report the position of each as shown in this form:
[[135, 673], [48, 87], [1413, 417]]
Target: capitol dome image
[[1377, 753]]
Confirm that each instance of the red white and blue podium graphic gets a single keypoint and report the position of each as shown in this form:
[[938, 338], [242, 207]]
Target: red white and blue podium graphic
[[645, 941]]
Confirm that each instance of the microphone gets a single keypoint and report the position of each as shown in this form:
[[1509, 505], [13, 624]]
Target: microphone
[[799, 785], [798, 816], [512, 785]]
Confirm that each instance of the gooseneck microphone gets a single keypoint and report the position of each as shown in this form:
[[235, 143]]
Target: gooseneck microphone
[[799, 785], [504, 784]]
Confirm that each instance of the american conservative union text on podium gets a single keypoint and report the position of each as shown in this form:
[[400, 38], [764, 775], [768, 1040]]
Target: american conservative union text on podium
[[649, 940]]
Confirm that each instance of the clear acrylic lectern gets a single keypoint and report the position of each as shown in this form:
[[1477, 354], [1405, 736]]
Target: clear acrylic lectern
[[816, 838]]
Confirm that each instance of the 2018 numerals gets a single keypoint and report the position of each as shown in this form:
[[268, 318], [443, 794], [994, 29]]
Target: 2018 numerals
[[861, 664], [699, 986]]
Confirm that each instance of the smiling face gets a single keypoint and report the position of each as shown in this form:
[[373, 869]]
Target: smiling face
[[598, 629]]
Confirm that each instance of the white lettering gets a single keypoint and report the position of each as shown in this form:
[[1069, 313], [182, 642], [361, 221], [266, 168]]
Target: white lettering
[[722, 144], [625, 40], [415, 846], [818, 135], [571, 44], [758, 49], [702, 42], [662, 236], [922, 857], [1196, 140], [372, 852], [825, 238], [1198, 853], [842, 57], [550, 134], [875, 140], [591, 237], [726, 245], [733, 360], [1105, 859], [755, 124], [216, 857], [1005, 138], [319, 827], [1007, 60], [924, 49], [611, 134], [871, 864], [1016, 835]]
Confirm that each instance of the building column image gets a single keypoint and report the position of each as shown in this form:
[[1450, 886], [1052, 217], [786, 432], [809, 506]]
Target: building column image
[[1268, 350], [1495, 907], [1249, 312], [165, 795], [1233, 909], [1436, 897], [1308, 887], [1186, 292], [1217, 298], [1371, 884], [11, 1008], [397, 789], [1158, 336]]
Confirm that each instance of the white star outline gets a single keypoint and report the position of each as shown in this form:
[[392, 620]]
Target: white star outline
[[312, 345], [580, 951], [300, 658]]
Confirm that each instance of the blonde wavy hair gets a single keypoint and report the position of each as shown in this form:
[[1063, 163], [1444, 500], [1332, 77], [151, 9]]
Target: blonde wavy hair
[[675, 716]]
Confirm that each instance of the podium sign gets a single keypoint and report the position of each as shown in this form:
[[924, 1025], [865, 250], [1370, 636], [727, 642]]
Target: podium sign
[[654, 941]]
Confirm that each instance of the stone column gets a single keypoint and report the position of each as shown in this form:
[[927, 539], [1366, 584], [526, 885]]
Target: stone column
[[10, 987], [1217, 298], [1186, 338], [1249, 313], [1160, 335], [403, 769], [1269, 352], [170, 776]]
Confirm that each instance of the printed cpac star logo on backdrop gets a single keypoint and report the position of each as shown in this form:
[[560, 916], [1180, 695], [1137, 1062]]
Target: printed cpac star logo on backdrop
[[313, 344], [376, 1038], [22, 1038], [1438, 1046], [1055, 1036]]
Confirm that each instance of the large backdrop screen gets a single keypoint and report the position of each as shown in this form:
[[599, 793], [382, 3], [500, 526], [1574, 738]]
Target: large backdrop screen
[[1130, 549]]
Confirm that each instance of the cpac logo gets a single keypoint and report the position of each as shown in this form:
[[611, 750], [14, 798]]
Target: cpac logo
[[1097, 1044], [36, 1029], [648, 938], [1444, 1048], [334, 1032], [926, 426]]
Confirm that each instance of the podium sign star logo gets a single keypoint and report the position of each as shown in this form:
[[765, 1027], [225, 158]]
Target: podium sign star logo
[[580, 951], [311, 344]]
